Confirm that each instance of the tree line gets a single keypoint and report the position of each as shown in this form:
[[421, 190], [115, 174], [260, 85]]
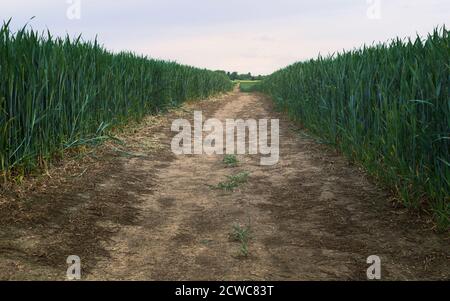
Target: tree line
[[238, 76]]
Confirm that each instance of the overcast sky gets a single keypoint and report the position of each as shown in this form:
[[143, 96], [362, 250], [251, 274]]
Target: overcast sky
[[258, 36]]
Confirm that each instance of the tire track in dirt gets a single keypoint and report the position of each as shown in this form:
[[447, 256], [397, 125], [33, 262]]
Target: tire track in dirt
[[313, 216]]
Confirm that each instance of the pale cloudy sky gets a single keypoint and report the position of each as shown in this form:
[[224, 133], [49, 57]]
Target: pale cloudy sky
[[258, 36]]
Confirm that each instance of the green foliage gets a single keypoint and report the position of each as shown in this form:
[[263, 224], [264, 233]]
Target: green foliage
[[385, 106], [56, 92], [242, 235], [234, 181], [230, 160], [234, 76], [249, 86]]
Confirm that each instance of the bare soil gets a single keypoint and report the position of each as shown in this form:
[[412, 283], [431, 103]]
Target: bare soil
[[143, 213]]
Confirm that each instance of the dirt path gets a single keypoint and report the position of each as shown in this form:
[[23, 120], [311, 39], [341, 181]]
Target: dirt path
[[154, 216]]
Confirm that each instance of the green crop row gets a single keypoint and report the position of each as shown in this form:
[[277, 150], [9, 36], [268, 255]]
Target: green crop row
[[56, 91], [387, 107]]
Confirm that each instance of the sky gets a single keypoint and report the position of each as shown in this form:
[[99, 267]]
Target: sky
[[257, 36]]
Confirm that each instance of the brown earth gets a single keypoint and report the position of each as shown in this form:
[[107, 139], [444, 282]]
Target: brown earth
[[138, 212]]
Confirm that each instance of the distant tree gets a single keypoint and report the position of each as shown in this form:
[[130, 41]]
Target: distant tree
[[243, 76], [234, 76]]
